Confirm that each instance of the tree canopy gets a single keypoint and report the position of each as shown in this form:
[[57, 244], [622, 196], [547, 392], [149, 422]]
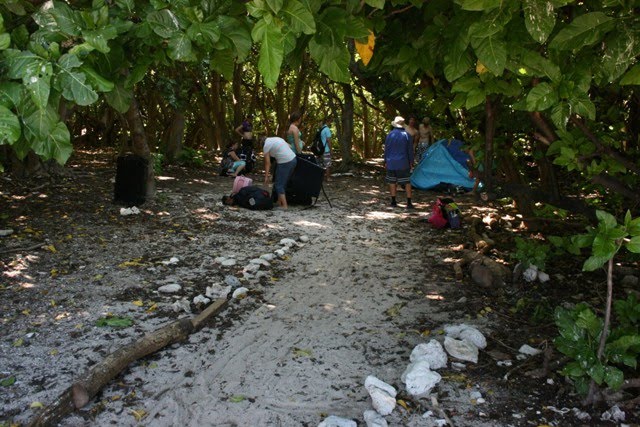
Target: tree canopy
[[551, 80]]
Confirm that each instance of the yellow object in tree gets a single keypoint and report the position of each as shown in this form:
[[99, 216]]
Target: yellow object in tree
[[365, 50], [480, 68]]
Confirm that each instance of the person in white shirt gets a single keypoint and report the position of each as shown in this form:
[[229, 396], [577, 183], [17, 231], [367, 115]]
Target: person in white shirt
[[285, 158]]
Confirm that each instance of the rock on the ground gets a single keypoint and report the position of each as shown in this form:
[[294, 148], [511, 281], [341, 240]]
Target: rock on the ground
[[228, 262], [531, 273], [432, 353], [420, 379], [232, 281], [268, 257], [528, 350], [181, 305], [217, 291], [383, 395], [466, 332], [629, 281], [240, 293], [4, 233], [171, 288], [288, 242], [201, 299], [462, 350], [303, 238], [374, 419], [334, 421]]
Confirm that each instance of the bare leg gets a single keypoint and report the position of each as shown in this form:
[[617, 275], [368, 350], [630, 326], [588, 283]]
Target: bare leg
[[408, 190], [392, 189], [237, 171], [282, 201]]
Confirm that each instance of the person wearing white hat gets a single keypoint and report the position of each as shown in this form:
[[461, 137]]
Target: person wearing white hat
[[398, 158]]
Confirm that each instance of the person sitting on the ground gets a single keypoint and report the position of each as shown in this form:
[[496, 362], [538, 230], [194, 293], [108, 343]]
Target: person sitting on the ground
[[238, 164], [250, 197]]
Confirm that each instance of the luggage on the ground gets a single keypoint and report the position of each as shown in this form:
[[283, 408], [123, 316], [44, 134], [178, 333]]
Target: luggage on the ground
[[240, 182], [130, 187], [305, 183], [445, 213], [254, 198]]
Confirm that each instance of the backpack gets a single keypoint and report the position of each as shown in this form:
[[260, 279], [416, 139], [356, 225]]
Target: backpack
[[445, 213], [317, 146], [254, 198], [240, 182]]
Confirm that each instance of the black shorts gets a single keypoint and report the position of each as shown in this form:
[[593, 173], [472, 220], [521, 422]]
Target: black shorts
[[400, 176]]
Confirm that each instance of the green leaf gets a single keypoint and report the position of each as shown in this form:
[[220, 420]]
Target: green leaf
[[236, 34], [479, 5], [560, 115], [38, 89], [74, 88], [57, 144], [584, 30], [100, 83], [541, 97], [492, 52], [237, 398], [632, 77], [539, 18], [633, 227], [605, 218], [633, 245], [535, 65], [115, 322], [271, 53], [10, 130], [333, 60], [119, 98], [8, 382], [204, 34], [163, 22], [594, 263], [457, 61], [180, 48], [613, 377], [475, 97], [222, 61], [299, 17], [21, 64], [99, 39], [378, 4], [65, 18], [588, 320], [596, 372], [583, 106], [5, 41], [275, 5]]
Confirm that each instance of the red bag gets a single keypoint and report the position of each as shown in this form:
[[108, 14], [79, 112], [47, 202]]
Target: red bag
[[436, 218]]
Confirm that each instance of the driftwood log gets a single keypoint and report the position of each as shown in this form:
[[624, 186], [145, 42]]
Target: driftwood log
[[87, 386]]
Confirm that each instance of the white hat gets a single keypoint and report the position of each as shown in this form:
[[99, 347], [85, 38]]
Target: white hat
[[398, 122]]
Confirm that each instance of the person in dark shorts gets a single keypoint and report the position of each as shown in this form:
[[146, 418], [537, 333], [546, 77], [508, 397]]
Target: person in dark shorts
[[398, 158]]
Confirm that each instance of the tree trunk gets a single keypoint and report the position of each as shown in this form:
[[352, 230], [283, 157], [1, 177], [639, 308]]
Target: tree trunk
[[236, 87], [174, 135], [140, 145], [218, 110], [366, 131], [490, 130], [346, 138], [297, 100]]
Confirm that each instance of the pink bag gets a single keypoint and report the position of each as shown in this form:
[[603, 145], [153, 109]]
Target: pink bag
[[240, 182], [436, 218]]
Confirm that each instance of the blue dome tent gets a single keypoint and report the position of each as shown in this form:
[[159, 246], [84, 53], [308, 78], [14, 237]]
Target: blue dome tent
[[444, 162]]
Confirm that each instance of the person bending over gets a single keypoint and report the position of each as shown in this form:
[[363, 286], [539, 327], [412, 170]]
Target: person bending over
[[285, 159]]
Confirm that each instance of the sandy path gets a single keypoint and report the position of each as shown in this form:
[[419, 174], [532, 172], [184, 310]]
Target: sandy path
[[323, 326]]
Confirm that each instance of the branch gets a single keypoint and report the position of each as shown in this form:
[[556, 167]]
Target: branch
[[616, 155]]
